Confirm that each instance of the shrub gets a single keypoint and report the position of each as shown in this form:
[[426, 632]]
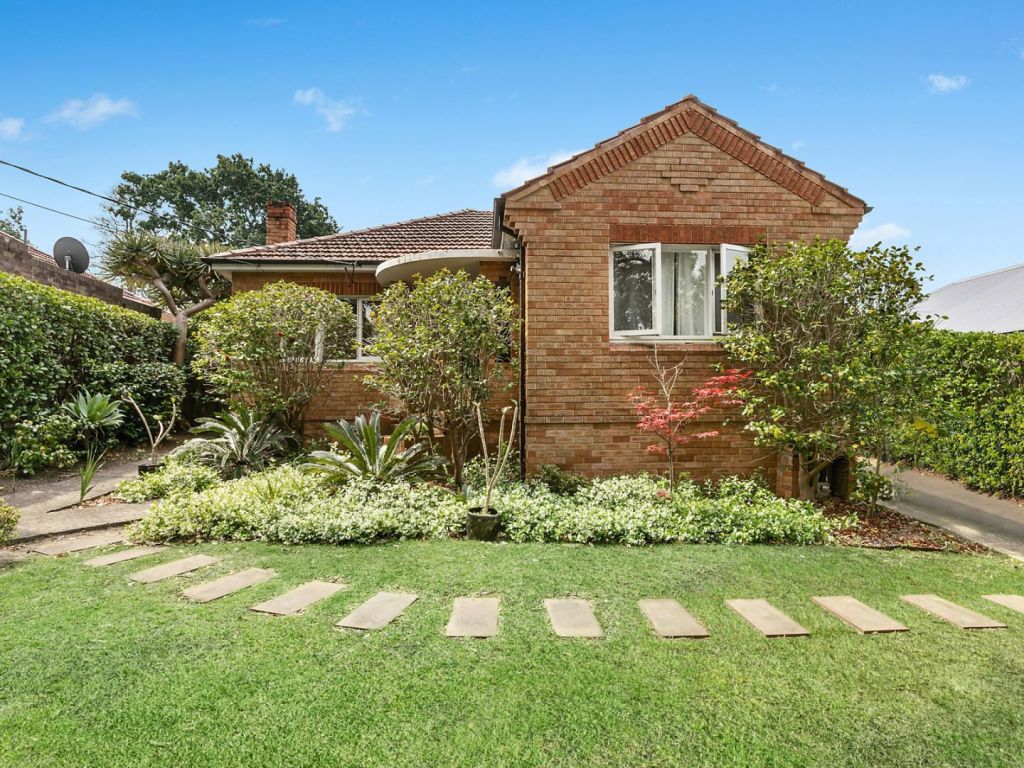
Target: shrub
[[46, 441], [154, 386], [444, 345], [369, 457], [241, 442], [286, 505], [52, 341], [969, 421], [173, 478], [269, 348], [558, 480], [8, 520]]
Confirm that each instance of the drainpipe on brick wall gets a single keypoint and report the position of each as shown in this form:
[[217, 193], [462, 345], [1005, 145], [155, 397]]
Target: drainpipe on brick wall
[[522, 362]]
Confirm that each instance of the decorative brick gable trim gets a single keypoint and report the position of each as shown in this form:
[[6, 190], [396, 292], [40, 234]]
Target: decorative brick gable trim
[[696, 234], [656, 130]]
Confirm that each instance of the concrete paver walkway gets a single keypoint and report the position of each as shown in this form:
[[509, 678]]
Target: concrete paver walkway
[[766, 618], [39, 524], [953, 613], [379, 611], [572, 618], [298, 599], [78, 543], [995, 523], [174, 568]]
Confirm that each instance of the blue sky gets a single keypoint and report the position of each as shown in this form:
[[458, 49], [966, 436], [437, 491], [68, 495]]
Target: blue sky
[[389, 110]]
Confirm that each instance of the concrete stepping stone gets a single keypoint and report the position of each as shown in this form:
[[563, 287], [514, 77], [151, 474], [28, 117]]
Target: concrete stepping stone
[[125, 554], [572, 618], [473, 617], [78, 543], [226, 585], [1013, 602], [951, 612], [173, 568], [766, 618], [670, 619], [298, 599], [379, 611], [863, 618]]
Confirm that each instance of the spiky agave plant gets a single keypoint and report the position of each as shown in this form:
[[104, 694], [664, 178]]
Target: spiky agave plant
[[366, 454]]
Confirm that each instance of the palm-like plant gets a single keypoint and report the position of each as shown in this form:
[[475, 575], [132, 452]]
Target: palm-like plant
[[240, 442], [94, 413], [367, 455]]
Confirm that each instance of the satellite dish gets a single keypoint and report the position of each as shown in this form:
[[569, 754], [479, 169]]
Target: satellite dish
[[71, 254]]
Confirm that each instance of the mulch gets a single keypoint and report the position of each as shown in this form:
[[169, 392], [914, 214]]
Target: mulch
[[887, 529]]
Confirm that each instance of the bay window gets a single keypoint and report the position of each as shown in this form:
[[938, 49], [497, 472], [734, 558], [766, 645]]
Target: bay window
[[670, 291]]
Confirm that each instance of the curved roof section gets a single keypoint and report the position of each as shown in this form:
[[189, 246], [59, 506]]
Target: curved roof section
[[989, 302], [466, 228]]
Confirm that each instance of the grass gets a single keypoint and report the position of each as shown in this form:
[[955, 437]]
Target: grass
[[98, 671]]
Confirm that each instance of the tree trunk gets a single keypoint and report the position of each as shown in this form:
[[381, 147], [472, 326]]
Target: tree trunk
[[180, 320], [839, 478]]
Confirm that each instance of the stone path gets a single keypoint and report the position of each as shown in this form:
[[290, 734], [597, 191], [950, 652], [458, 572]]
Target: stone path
[[863, 618], [173, 568], [473, 617], [299, 598], [766, 618], [379, 611], [226, 585], [572, 618], [951, 612], [39, 498], [123, 555], [1013, 602], [670, 619], [40, 524], [77, 544], [478, 616]]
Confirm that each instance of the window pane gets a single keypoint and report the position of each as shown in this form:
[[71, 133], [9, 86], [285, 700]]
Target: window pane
[[684, 283], [367, 319], [633, 289]]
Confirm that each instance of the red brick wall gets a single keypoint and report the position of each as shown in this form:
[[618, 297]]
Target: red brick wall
[[685, 191]]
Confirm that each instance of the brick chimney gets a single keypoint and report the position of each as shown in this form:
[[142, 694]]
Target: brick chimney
[[280, 222]]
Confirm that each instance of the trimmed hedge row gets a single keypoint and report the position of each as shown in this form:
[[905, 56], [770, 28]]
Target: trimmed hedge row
[[970, 419], [54, 343]]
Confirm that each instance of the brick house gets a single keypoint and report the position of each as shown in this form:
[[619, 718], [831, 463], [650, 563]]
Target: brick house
[[610, 253]]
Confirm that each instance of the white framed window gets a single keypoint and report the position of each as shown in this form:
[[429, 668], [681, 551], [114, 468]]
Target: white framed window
[[669, 291], [362, 309]]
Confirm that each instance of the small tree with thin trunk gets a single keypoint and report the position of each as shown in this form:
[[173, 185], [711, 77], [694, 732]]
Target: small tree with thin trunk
[[170, 272], [445, 344], [671, 421], [829, 334]]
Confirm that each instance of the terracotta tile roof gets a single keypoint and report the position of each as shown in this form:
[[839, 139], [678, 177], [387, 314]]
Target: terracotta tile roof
[[459, 229], [689, 114]]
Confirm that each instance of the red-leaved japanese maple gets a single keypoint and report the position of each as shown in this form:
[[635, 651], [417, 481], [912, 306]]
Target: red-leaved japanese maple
[[670, 421]]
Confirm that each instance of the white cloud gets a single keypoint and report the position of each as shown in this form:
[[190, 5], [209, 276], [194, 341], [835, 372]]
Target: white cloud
[[84, 114], [266, 22], [948, 83], [10, 128], [886, 234], [336, 113], [798, 144], [526, 168]]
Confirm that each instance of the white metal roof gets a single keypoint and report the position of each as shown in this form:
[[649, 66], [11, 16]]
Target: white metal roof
[[992, 302]]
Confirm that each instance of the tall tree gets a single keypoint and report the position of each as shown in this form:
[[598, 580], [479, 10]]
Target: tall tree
[[830, 335], [225, 204], [13, 222], [170, 272]]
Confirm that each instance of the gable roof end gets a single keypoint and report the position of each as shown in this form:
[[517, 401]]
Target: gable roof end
[[658, 129]]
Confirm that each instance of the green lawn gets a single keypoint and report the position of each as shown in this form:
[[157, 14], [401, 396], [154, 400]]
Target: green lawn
[[98, 671]]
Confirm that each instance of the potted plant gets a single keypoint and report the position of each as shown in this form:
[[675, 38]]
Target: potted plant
[[483, 522], [152, 464]]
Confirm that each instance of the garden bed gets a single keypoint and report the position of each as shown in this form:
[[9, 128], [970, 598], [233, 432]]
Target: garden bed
[[885, 528]]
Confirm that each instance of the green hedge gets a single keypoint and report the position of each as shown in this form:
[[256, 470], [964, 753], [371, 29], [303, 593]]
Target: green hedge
[[969, 422], [53, 343]]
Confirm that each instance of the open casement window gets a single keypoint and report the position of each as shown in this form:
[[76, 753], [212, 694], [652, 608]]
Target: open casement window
[[362, 310], [659, 290], [730, 257], [634, 289]]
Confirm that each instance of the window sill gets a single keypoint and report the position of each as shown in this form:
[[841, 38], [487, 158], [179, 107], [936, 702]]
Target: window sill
[[647, 342]]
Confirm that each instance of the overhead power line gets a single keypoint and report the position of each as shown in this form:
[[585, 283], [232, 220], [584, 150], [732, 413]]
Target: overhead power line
[[137, 209], [62, 213]]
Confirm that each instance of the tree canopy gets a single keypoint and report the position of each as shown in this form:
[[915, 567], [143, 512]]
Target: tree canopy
[[226, 204], [829, 335]]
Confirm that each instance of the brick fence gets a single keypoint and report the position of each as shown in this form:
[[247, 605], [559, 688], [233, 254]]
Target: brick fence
[[19, 258]]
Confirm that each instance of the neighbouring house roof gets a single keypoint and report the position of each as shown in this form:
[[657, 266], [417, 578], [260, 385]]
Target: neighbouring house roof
[[653, 131], [989, 302], [459, 229]]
